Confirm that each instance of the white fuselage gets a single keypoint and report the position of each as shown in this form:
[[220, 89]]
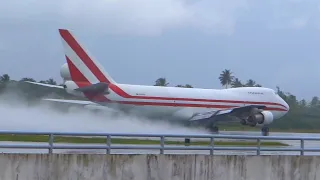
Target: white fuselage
[[182, 103]]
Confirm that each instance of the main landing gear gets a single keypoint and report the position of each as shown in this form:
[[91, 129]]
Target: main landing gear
[[213, 129], [265, 131]]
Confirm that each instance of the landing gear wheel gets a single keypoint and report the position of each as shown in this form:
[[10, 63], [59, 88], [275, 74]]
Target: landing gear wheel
[[214, 129], [265, 131], [243, 122]]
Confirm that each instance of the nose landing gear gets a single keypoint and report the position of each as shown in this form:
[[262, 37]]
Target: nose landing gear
[[265, 131]]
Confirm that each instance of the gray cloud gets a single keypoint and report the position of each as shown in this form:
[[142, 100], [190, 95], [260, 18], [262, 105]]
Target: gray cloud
[[135, 16], [152, 17]]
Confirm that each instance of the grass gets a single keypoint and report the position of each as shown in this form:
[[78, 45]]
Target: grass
[[254, 129], [95, 140]]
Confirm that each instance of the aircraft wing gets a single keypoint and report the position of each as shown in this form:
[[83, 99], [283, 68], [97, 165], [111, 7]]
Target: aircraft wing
[[77, 102], [46, 85], [213, 115]]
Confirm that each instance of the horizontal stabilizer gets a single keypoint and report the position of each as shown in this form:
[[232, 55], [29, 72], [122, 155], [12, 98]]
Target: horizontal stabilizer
[[95, 88]]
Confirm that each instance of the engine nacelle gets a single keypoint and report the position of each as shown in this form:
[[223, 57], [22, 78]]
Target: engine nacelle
[[64, 72], [261, 118]]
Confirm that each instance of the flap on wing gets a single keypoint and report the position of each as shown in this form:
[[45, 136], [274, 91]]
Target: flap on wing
[[205, 115], [79, 102], [211, 114]]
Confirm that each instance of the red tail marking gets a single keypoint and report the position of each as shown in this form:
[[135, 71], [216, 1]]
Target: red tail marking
[[76, 75], [65, 34], [82, 81]]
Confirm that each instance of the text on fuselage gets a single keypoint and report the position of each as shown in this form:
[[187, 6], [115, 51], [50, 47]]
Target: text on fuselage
[[255, 92]]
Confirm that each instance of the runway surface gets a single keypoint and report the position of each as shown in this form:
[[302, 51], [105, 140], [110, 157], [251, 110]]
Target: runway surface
[[295, 144]]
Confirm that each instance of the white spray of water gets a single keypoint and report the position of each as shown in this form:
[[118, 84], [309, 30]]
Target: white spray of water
[[16, 115]]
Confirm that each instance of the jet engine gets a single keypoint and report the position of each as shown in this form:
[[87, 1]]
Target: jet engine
[[261, 118], [64, 72]]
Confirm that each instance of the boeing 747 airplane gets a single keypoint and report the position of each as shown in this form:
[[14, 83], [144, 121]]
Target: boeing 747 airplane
[[85, 77]]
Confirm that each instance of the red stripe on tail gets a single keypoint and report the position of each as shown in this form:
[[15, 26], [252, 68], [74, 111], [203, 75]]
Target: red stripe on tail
[[76, 75], [70, 40], [82, 81]]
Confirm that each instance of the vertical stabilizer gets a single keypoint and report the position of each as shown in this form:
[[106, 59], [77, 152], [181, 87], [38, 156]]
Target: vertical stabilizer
[[82, 66]]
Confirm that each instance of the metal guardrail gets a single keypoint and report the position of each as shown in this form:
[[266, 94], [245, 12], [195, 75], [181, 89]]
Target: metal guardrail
[[161, 147]]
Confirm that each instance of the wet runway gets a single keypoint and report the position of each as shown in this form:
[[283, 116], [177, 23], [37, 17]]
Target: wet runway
[[292, 144]]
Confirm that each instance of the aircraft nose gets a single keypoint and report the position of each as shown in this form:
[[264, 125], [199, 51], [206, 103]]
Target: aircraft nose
[[285, 104]]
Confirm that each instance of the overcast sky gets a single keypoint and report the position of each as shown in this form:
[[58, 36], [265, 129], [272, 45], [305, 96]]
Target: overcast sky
[[274, 42]]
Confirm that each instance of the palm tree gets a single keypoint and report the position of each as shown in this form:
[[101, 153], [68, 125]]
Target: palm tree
[[314, 101], [4, 78], [28, 79], [250, 83], [51, 81], [184, 86], [188, 86], [226, 78], [303, 103], [236, 83], [161, 82]]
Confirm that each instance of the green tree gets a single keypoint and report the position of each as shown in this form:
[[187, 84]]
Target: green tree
[[226, 78], [4, 81], [28, 79], [51, 81], [188, 86], [236, 83], [161, 82], [184, 86], [250, 83], [4, 78], [314, 101], [303, 103]]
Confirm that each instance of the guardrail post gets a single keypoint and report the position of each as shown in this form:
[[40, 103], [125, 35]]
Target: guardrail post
[[302, 147], [161, 144], [258, 146], [108, 144], [212, 145], [51, 139]]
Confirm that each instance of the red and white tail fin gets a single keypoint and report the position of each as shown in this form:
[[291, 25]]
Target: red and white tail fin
[[82, 66]]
